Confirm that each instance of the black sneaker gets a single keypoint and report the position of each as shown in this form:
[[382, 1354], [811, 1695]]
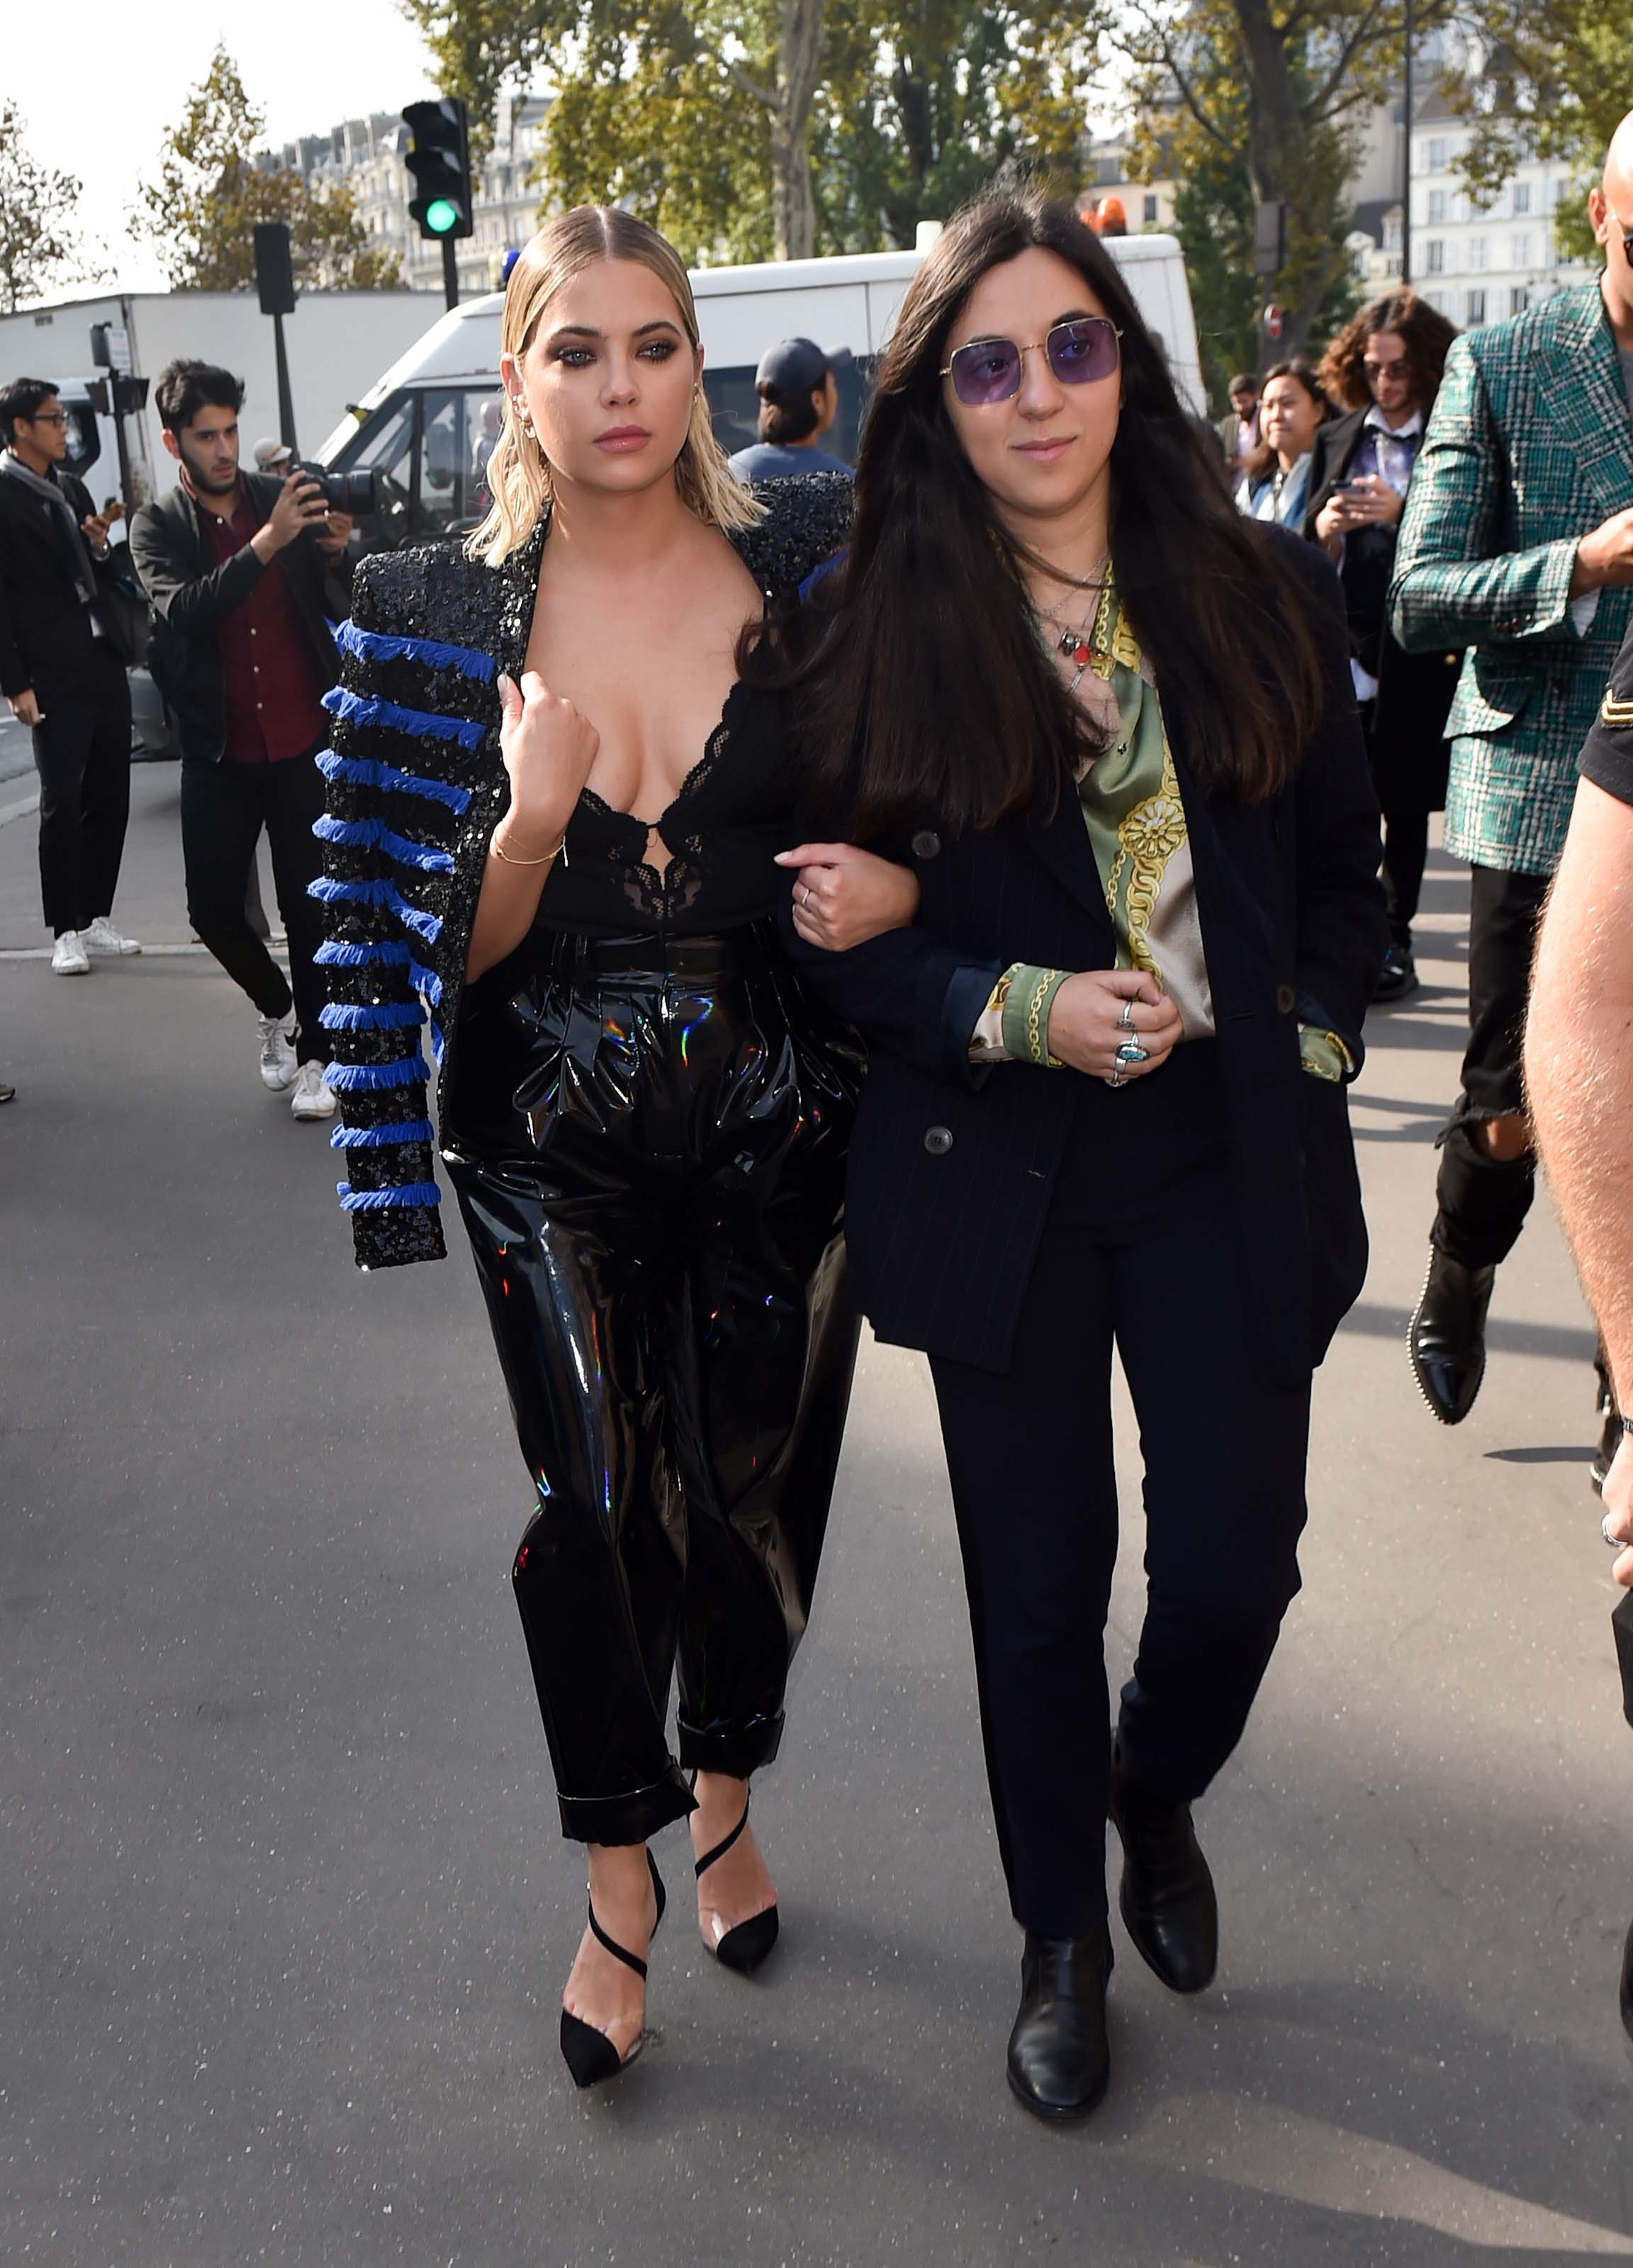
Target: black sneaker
[[1398, 975]]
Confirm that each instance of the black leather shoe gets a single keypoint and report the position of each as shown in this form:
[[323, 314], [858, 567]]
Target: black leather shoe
[[1059, 2060], [1398, 977], [1447, 1336], [1167, 1900], [1627, 1986]]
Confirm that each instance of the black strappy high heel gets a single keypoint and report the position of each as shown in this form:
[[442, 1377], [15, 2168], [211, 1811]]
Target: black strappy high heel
[[744, 1947], [589, 2054]]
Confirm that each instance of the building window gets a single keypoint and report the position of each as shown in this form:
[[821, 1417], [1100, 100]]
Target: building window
[[1438, 151], [1519, 248], [1434, 257], [1516, 300], [1477, 309], [1522, 198], [1436, 204], [1149, 211], [1477, 254]]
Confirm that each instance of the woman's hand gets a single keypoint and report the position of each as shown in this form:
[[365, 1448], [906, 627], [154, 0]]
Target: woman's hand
[[1330, 523], [844, 896], [548, 750], [1086, 1027]]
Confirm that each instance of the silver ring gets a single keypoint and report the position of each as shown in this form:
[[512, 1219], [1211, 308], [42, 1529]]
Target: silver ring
[[1116, 1079], [1125, 1022], [806, 901], [1614, 1542], [1132, 1052]]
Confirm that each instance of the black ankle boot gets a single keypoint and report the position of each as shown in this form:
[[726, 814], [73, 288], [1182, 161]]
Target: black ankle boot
[[1059, 2061], [1167, 1899], [1447, 1337]]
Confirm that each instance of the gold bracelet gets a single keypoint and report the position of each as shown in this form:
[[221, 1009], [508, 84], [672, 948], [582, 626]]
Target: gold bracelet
[[498, 851]]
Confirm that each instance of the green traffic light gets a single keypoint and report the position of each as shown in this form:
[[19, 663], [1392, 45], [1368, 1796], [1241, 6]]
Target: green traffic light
[[441, 215]]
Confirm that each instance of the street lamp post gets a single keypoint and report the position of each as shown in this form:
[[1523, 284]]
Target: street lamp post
[[1406, 143]]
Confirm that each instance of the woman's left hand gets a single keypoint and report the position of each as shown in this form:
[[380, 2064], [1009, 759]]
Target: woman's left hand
[[844, 896]]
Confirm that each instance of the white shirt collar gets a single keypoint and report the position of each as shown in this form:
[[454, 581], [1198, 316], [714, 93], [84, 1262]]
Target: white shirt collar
[[1373, 421]]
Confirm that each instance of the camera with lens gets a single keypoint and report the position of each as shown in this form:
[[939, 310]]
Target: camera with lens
[[355, 494]]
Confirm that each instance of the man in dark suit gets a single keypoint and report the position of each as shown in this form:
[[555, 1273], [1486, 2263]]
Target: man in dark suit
[[64, 652], [1386, 368], [235, 566]]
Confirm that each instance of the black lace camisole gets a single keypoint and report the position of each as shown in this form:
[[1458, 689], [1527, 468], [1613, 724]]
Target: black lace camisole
[[734, 811]]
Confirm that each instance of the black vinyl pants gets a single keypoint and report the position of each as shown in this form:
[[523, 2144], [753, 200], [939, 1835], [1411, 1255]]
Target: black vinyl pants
[[224, 808], [647, 1139], [1141, 1251], [1482, 1202], [82, 754]]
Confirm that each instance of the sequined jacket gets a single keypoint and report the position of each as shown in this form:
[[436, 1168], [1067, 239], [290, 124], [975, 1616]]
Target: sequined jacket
[[417, 785]]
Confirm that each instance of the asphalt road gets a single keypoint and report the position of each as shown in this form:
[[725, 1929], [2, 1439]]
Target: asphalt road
[[285, 1914]]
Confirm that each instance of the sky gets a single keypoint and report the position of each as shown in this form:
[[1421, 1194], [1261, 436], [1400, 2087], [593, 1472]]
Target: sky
[[98, 107]]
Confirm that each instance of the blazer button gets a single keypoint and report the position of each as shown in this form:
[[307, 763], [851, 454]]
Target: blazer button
[[938, 1141], [1284, 998], [926, 844]]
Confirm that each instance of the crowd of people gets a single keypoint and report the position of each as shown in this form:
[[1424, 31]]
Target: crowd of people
[[965, 918]]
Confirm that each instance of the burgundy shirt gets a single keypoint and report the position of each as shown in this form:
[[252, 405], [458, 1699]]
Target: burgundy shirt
[[274, 709]]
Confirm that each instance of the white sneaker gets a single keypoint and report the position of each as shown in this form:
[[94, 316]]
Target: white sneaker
[[312, 1098], [277, 1055], [68, 957], [102, 937]]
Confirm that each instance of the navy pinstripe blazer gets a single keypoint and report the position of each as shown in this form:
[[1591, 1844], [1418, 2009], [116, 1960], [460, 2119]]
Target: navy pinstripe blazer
[[953, 1164]]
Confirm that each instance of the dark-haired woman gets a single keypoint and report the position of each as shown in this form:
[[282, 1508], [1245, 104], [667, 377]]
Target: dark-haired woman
[[1385, 366], [799, 404], [553, 814], [1110, 723], [1276, 478]]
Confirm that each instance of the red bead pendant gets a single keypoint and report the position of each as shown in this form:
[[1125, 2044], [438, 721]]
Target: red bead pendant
[[1080, 654]]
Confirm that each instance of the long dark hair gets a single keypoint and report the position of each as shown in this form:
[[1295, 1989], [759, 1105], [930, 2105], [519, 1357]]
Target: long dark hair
[[924, 688], [1423, 330], [1263, 461]]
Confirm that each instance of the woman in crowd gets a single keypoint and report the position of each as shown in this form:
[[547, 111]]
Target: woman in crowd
[[1292, 409], [554, 813], [1110, 723], [1386, 368]]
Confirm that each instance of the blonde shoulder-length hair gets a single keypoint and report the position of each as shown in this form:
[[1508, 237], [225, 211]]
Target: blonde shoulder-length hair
[[518, 471]]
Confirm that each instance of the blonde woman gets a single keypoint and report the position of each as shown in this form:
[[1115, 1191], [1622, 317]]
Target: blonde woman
[[554, 817]]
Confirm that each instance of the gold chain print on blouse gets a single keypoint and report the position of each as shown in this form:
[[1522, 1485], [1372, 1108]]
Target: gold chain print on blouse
[[1150, 832]]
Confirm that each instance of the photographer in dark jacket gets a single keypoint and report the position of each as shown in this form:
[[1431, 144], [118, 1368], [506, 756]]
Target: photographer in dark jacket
[[235, 566], [63, 651]]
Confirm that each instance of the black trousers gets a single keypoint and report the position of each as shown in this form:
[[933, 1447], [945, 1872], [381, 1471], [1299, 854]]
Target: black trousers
[[1406, 854], [1482, 1203], [224, 808], [647, 1140], [1140, 1252], [82, 754]]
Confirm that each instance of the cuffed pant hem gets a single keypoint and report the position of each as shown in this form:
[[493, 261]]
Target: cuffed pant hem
[[634, 1817], [737, 1751]]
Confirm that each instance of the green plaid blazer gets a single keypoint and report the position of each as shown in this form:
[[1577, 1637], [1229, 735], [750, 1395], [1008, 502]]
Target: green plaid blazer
[[1530, 447]]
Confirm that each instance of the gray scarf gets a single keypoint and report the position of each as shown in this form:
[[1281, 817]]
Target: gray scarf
[[79, 550]]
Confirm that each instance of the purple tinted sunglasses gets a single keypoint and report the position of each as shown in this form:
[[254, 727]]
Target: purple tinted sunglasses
[[987, 371]]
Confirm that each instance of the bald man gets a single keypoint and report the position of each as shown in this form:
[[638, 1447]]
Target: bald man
[[1517, 544]]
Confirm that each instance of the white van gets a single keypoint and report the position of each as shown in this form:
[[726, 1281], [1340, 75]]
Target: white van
[[426, 427]]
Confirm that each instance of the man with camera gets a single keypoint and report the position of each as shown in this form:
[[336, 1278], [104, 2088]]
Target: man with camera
[[63, 650], [235, 565]]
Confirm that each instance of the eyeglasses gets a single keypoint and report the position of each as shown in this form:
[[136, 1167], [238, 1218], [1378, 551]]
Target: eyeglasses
[[1374, 371], [1624, 229], [49, 417], [987, 371]]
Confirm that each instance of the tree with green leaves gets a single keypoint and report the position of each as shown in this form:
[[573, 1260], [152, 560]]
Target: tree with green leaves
[[1557, 80], [755, 129], [212, 190], [38, 237]]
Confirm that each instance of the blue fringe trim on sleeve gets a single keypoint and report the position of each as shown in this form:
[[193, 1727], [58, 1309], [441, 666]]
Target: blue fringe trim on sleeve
[[364, 771], [426, 983], [334, 953], [375, 645], [378, 893], [406, 1071], [372, 833], [336, 1018], [371, 1138], [406, 1193], [438, 1043], [364, 709]]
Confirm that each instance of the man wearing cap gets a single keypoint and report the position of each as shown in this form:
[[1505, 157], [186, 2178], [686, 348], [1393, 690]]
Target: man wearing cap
[[272, 456], [798, 403]]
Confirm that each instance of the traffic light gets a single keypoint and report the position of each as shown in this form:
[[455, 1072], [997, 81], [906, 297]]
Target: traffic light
[[440, 165]]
